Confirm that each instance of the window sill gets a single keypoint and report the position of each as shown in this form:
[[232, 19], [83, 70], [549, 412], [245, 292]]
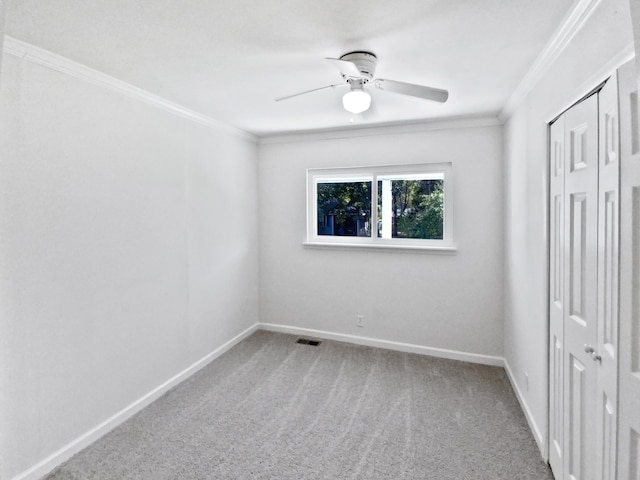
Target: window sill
[[369, 246]]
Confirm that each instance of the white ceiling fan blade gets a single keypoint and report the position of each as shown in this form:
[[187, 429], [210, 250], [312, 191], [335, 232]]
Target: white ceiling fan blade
[[310, 91], [348, 69], [420, 91]]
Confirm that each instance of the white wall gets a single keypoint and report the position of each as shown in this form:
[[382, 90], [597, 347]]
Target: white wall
[[128, 251], [447, 301], [3, 8], [585, 62], [634, 6]]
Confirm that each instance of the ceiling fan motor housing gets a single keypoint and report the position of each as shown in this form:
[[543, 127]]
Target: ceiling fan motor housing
[[365, 61]]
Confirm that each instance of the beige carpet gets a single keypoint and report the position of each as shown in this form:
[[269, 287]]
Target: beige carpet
[[273, 409]]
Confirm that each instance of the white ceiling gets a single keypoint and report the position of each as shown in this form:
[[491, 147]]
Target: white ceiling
[[229, 59]]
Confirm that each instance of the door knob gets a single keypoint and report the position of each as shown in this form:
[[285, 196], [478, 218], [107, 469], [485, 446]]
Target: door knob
[[594, 355]]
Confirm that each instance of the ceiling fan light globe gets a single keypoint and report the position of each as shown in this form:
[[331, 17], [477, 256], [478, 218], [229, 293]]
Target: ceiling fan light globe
[[356, 101]]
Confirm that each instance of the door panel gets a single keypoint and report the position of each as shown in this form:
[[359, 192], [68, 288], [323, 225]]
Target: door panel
[[556, 296], [579, 154], [608, 263], [609, 269], [607, 450], [557, 246], [580, 288], [556, 407], [634, 456], [578, 422], [578, 261], [629, 346]]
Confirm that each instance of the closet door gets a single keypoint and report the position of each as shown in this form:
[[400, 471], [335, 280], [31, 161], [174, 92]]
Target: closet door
[[580, 289], [606, 349], [556, 295], [629, 392]]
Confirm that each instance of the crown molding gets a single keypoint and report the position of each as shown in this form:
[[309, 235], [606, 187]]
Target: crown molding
[[53, 61], [563, 35], [471, 121]]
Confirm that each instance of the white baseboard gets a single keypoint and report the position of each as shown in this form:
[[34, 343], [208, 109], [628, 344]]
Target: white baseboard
[[66, 452], [390, 345], [533, 426]]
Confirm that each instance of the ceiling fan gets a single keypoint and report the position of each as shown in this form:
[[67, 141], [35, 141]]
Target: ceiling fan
[[357, 70]]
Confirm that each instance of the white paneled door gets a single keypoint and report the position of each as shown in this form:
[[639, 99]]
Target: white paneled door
[[556, 296], [629, 379], [606, 348], [583, 270], [580, 287]]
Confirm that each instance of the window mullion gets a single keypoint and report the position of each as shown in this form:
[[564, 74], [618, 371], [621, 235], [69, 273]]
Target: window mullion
[[374, 207]]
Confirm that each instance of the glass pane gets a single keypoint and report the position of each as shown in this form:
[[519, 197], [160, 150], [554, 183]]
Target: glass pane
[[344, 209], [411, 208]]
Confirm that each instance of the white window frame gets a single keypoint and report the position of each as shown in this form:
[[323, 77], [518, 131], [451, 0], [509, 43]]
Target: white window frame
[[352, 174]]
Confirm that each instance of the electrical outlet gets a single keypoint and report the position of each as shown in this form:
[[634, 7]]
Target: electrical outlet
[[360, 320], [526, 382]]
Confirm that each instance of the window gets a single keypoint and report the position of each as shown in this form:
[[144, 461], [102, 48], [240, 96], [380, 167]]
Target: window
[[344, 207], [388, 206]]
